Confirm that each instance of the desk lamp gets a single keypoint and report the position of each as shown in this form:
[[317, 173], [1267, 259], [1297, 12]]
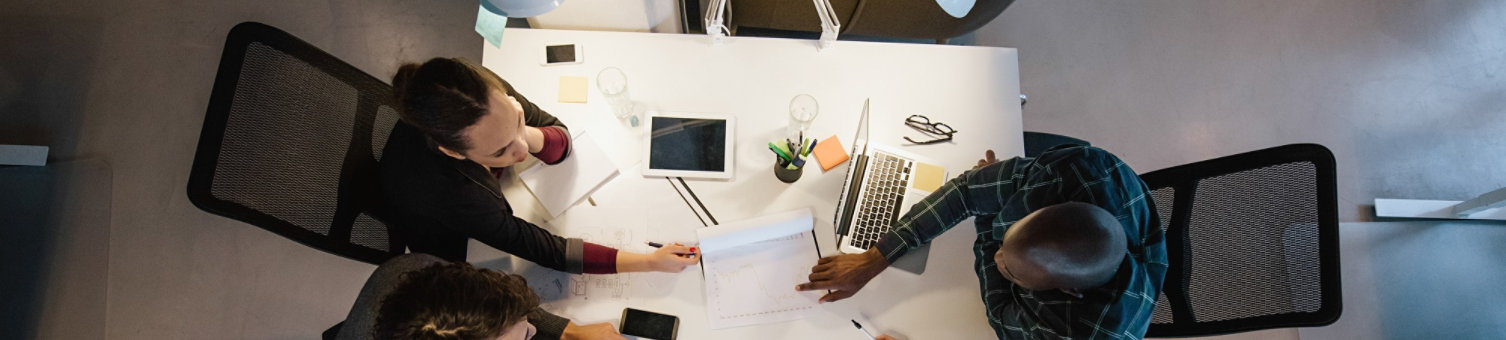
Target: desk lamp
[[717, 10]]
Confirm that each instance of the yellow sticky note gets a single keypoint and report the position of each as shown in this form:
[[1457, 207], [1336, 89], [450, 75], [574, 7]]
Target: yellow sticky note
[[572, 89], [928, 177]]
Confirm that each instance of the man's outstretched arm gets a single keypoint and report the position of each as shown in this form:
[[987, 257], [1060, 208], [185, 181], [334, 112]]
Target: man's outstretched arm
[[981, 191]]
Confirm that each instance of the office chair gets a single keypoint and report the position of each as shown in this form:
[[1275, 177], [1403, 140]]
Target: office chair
[[290, 144], [1252, 241], [915, 19]]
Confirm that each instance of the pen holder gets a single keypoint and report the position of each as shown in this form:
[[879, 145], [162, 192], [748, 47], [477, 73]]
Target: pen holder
[[787, 175]]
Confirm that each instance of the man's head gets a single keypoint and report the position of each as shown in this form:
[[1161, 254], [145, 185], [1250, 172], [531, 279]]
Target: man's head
[[1064, 246], [456, 301]]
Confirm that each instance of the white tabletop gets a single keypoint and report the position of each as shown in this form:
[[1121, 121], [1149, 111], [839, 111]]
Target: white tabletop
[[973, 89]]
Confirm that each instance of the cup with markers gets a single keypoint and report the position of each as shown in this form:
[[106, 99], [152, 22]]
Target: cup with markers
[[790, 157]]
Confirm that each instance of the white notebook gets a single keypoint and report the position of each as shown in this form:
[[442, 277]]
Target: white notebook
[[560, 186], [752, 267]]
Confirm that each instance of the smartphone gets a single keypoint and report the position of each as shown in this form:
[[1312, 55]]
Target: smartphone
[[650, 325], [562, 54]]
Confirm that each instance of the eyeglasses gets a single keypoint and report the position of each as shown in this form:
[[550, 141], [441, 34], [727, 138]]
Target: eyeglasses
[[940, 131]]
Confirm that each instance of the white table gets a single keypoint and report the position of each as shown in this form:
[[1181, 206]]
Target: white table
[[973, 89]]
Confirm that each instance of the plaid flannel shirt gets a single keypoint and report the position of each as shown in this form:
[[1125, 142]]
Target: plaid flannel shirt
[[1001, 194]]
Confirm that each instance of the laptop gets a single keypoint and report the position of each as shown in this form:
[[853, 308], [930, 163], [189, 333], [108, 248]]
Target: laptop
[[875, 194]]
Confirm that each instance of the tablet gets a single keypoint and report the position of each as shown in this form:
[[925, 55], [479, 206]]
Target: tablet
[[682, 144]]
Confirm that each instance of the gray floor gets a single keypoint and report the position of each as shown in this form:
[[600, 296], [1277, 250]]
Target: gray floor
[[1409, 95], [1406, 94]]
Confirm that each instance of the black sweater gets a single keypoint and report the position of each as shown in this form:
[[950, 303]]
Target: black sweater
[[439, 202]]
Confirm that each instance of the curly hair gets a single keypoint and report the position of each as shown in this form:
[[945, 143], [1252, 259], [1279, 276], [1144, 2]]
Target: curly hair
[[443, 96], [453, 301]]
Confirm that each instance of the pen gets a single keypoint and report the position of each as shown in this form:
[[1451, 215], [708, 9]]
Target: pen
[[810, 148], [865, 332], [782, 155], [660, 245]]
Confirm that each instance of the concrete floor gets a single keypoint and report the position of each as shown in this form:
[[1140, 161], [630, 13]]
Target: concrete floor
[[1406, 93]]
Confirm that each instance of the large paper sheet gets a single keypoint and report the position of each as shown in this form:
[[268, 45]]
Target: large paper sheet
[[752, 267], [562, 185]]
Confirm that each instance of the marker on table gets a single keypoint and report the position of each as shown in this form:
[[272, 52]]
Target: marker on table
[[784, 157], [693, 250], [865, 332]]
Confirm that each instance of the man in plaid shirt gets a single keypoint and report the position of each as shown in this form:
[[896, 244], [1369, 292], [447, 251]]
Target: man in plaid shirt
[[1069, 245]]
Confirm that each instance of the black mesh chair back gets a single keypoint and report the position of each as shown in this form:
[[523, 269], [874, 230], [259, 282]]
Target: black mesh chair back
[[291, 142], [1252, 241]]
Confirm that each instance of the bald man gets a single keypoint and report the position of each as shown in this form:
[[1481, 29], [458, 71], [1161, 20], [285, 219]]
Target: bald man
[[1069, 245]]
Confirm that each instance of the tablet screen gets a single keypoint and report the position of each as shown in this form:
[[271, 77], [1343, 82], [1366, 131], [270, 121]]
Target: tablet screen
[[689, 144]]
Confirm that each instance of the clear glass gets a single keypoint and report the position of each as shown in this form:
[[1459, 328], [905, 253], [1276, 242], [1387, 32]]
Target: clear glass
[[803, 110], [613, 84]]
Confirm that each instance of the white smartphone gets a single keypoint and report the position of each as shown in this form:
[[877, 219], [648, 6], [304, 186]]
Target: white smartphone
[[561, 54]]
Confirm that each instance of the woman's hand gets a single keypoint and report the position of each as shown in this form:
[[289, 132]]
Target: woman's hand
[[671, 258], [590, 332]]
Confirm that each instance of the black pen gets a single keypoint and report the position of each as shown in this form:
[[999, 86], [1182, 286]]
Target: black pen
[[658, 245], [865, 332]]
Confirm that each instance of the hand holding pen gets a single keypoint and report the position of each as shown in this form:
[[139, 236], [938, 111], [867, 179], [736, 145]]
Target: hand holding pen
[[671, 258], [689, 252]]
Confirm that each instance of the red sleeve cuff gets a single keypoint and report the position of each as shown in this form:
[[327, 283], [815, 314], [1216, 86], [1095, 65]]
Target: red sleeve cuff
[[556, 145], [598, 259]]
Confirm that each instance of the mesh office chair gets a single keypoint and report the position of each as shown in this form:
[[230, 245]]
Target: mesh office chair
[[1252, 240], [291, 142], [916, 19]]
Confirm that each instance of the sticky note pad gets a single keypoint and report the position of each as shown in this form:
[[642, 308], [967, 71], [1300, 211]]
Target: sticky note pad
[[490, 25], [830, 153], [928, 177], [572, 89]]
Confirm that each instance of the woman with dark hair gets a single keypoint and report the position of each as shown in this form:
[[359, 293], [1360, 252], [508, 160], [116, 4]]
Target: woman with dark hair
[[461, 126], [419, 296]]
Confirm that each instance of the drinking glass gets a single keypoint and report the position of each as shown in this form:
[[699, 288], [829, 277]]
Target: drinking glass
[[803, 110], [614, 87]]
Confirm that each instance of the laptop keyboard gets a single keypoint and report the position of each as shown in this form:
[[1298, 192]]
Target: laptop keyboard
[[880, 204]]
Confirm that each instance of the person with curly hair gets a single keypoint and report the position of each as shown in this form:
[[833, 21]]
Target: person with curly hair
[[423, 297]]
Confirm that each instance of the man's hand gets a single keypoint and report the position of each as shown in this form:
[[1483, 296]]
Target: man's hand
[[988, 158], [593, 331], [845, 274]]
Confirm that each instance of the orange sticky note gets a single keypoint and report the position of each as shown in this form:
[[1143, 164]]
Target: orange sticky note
[[573, 89], [830, 153]]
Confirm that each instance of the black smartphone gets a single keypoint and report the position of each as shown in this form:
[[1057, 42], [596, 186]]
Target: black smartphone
[[650, 325], [562, 54]]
